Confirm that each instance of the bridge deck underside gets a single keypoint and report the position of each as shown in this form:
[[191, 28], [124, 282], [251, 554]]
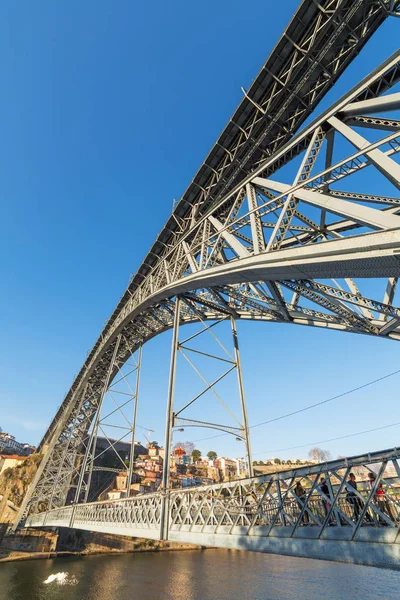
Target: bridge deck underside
[[222, 534], [378, 548]]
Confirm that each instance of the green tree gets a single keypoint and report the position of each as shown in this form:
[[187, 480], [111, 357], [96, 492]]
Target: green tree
[[277, 461], [212, 455], [196, 455]]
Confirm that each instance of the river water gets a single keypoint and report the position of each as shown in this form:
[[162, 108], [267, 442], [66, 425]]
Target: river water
[[194, 575]]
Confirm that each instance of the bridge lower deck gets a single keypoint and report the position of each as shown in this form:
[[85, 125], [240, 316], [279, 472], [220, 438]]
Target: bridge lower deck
[[265, 514]]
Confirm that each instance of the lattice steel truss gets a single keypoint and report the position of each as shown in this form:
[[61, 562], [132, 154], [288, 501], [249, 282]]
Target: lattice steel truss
[[267, 230], [124, 395], [318, 44], [231, 362]]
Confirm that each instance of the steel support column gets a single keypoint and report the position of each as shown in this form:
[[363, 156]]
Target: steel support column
[[132, 454], [169, 423], [242, 397]]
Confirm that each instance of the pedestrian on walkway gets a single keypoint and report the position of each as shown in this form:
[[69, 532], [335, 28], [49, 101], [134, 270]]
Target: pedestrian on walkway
[[352, 497], [301, 494], [383, 504], [326, 491], [380, 499]]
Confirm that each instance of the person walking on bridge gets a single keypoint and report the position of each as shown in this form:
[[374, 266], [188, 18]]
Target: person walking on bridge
[[381, 500], [355, 500], [301, 494], [326, 491], [352, 497]]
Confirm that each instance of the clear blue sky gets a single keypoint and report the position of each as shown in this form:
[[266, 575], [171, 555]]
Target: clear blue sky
[[107, 110]]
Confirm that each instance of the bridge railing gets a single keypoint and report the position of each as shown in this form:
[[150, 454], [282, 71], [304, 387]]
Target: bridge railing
[[35, 520], [58, 517], [271, 512], [307, 502], [303, 502], [141, 512]]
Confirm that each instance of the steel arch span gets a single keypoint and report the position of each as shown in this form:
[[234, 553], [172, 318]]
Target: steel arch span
[[274, 227]]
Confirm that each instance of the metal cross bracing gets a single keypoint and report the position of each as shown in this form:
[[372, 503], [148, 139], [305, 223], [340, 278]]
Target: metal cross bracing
[[74, 453], [278, 242], [318, 44], [314, 510], [229, 361], [116, 416]]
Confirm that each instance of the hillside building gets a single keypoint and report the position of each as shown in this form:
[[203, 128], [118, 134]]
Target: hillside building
[[8, 443], [8, 461]]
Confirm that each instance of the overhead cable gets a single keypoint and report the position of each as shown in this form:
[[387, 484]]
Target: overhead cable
[[342, 437], [305, 408]]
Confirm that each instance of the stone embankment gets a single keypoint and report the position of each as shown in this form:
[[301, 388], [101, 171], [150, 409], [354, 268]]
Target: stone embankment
[[34, 544]]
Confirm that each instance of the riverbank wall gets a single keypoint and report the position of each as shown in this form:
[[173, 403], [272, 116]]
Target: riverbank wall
[[35, 544], [30, 540]]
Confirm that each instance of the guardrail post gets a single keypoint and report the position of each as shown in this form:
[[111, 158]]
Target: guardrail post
[[242, 397], [164, 521], [72, 519]]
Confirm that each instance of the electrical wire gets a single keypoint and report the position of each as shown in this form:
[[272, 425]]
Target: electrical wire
[[342, 437], [300, 410], [305, 408]]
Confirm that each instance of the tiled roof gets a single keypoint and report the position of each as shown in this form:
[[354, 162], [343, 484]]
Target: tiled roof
[[13, 456]]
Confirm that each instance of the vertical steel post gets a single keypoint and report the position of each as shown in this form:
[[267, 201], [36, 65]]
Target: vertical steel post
[[281, 511], [242, 397], [132, 455], [169, 423], [91, 447]]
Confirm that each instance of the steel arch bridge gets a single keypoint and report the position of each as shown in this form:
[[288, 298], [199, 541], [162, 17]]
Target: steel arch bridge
[[275, 226]]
